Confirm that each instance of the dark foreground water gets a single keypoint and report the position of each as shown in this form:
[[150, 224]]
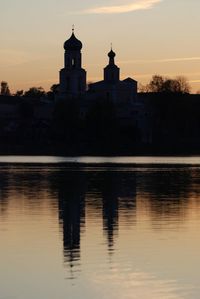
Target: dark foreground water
[[99, 232]]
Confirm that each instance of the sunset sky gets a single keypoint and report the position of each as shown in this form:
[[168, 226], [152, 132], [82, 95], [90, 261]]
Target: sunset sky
[[149, 37]]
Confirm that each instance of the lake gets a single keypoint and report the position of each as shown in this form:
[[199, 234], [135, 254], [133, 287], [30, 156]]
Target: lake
[[99, 227]]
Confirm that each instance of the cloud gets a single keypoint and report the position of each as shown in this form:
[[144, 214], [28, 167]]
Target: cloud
[[124, 8], [12, 57], [178, 59], [194, 81], [181, 59]]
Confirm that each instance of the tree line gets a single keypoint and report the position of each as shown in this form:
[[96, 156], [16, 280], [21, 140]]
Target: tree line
[[158, 84], [32, 92], [163, 84]]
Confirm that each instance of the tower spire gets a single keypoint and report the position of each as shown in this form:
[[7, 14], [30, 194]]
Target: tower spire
[[111, 71], [111, 56], [72, 76]]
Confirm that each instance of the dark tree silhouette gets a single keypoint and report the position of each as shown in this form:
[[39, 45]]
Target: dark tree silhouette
[[35, 92], [156, 84], [163, 84], [19, 93], [5, 91], [54, 89]]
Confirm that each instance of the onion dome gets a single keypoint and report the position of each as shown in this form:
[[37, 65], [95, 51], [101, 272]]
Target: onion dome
[[73, 44], [111, 54]]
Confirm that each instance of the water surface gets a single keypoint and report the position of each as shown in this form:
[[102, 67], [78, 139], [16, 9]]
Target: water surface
[[106, 231], [189, 160]]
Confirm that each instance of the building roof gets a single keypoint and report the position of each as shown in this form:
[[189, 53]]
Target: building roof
[[129, 80], [73, 44], [103, 84], [111, 54]]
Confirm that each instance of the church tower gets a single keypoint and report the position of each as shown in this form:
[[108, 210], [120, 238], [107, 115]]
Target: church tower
[[111, 71], [72, 76]]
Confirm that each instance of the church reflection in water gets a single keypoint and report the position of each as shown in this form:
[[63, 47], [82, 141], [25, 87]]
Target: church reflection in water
[[71, 199], [123, 194], [114, 190], [115, 187], [161, 194]]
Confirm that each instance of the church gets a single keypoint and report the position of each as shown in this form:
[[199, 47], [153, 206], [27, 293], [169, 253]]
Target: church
[[73, 81]]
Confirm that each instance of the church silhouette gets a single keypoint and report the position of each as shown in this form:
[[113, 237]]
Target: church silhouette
[[73, 78]]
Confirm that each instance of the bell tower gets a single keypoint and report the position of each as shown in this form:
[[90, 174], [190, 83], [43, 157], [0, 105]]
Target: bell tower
[[72, 76], [111, 71]]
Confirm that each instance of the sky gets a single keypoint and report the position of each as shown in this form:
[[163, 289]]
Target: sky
[[149, 37]]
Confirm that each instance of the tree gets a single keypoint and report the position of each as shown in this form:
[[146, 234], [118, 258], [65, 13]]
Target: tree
[[171, 86], [54, 89], [156, 84], [143, 88], [19, 93], [5, 91], [183, 84], [168, 85], [35, 92]]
